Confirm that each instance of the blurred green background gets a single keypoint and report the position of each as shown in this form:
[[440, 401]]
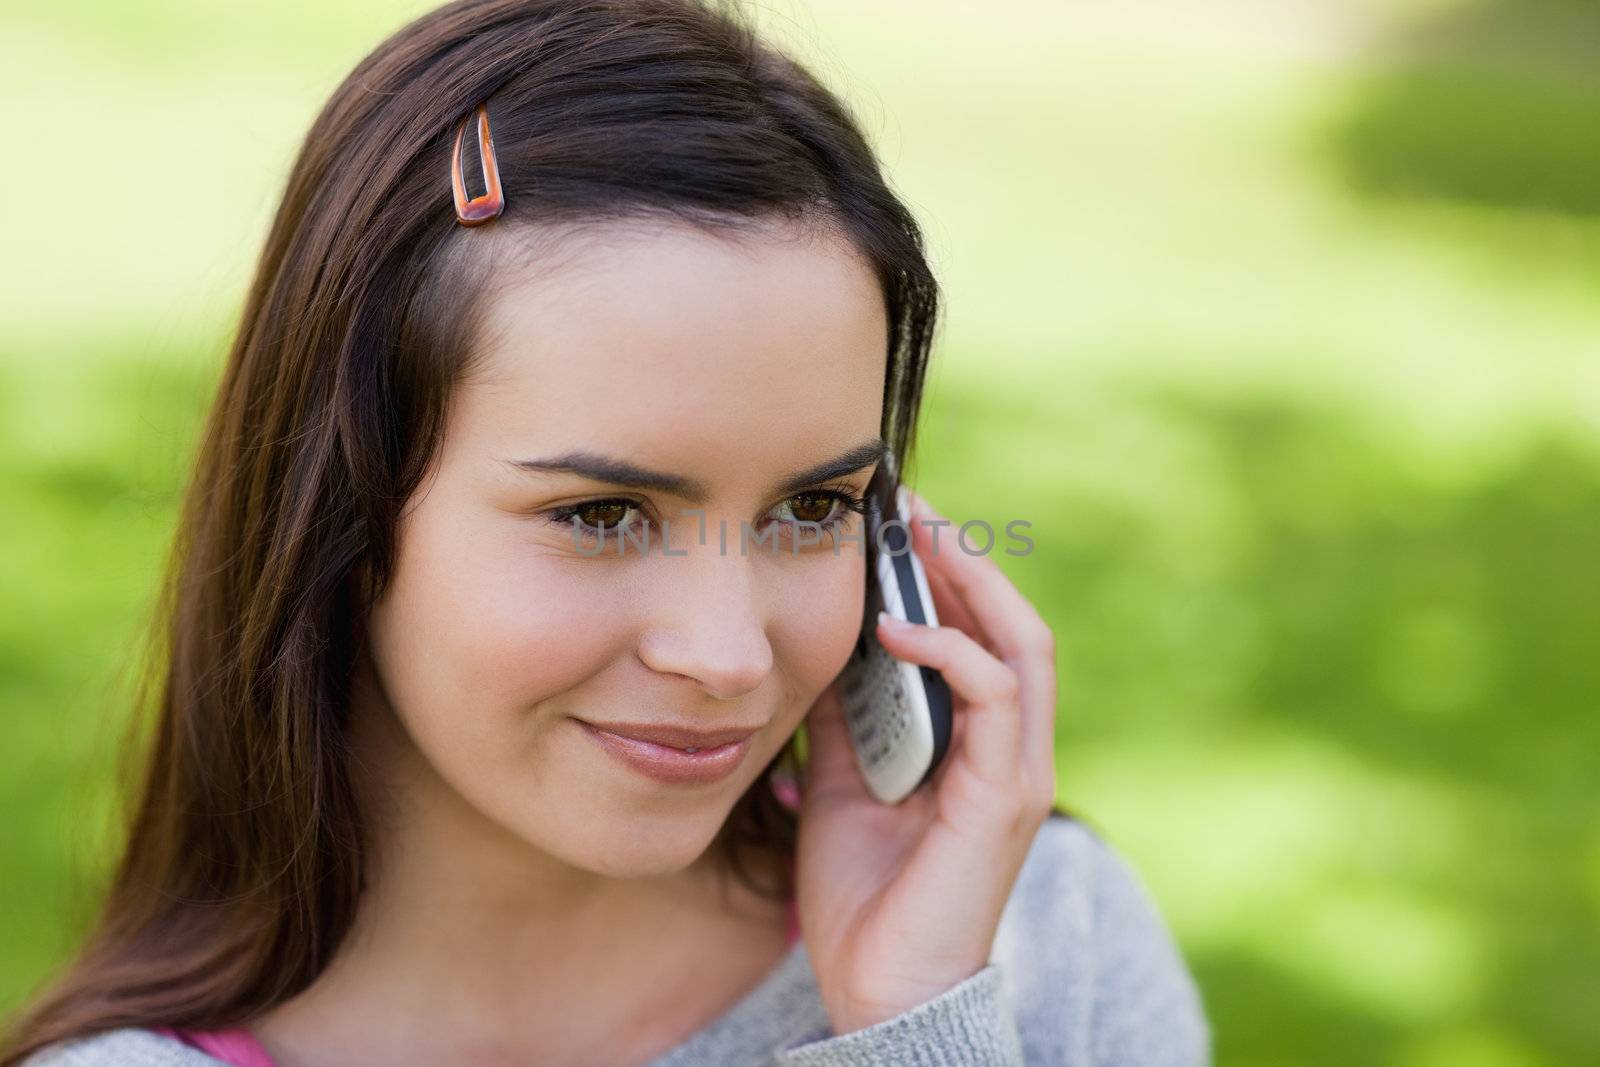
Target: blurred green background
[[1278, 319]]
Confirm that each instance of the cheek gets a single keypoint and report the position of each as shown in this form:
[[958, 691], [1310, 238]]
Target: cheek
[[478, 627], [815, 623]]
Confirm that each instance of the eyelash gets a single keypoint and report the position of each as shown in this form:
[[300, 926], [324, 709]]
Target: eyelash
[[567, 516]]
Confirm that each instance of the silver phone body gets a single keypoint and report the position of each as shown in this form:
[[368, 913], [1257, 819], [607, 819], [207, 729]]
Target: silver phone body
[[898, 713]]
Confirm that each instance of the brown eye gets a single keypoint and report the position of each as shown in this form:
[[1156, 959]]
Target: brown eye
[[823, 510], [603, 514], [813, 507], [595, 518]]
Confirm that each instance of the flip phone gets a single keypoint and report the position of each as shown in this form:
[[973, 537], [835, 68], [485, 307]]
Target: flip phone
[[898, 713]]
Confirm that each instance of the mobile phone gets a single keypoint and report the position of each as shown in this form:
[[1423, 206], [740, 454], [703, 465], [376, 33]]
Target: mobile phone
[[898, 713]]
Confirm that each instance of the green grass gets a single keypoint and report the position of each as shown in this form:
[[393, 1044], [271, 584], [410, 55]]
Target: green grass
[[1283, 335], [1478, 135]]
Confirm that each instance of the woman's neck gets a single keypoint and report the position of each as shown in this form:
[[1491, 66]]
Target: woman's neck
[[432, 979], [469, 944]]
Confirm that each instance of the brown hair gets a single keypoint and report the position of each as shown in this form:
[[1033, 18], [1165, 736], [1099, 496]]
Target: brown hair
[[242, 859]]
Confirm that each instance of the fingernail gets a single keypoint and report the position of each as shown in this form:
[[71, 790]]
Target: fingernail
[[897, 625]]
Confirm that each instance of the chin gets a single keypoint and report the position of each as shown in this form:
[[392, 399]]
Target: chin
[[663, 844]]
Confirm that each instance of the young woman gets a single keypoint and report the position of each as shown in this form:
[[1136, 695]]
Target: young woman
[[429, 781]]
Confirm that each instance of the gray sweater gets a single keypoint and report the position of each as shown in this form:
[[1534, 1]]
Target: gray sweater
[[1084, 972]]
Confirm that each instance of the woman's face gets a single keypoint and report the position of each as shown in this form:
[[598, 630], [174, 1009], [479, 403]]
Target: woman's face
[[729, 366]]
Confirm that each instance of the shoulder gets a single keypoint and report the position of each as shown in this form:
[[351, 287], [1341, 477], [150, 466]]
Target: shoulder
[[127, 1046], [1094, 972]]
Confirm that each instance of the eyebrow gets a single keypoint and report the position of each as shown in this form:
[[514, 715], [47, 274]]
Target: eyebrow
[[610, 469]]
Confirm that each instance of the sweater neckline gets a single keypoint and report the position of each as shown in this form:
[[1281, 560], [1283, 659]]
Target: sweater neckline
[[779, 999], [785, 999]]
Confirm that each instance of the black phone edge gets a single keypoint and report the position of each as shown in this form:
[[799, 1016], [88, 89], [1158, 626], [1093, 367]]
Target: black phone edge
[[935, 688]]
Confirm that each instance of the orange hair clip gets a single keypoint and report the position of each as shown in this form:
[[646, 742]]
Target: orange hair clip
[[477, 210]]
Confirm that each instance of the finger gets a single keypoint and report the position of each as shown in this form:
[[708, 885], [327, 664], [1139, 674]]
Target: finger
[[993, 734], [947, 605], [1013, 627], [993, 602]]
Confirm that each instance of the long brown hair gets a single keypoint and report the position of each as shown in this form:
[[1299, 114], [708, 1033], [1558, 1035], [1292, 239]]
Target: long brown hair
[[242, 856]]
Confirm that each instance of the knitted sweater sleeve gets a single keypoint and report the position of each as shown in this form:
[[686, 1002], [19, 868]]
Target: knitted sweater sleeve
[[1139, 1005], [968, 1025]]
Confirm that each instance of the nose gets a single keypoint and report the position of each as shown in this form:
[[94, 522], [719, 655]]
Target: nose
[[707, 622]]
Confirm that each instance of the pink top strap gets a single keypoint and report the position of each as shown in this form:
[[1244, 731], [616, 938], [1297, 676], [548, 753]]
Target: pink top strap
[[237, 1046], [240, 1047]]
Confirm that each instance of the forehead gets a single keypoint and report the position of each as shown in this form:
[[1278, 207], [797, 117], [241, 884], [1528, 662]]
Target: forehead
[[665, 338]]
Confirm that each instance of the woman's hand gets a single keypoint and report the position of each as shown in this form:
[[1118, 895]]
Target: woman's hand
[[900, 903]]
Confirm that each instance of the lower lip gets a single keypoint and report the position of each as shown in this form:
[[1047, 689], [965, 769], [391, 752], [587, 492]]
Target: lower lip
[[671, 765]]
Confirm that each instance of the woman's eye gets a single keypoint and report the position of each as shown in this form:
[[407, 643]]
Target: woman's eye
[[595, 517], [811, 507], [827, 509]]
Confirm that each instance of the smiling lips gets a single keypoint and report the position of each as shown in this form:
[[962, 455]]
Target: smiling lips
[[675, 755]]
